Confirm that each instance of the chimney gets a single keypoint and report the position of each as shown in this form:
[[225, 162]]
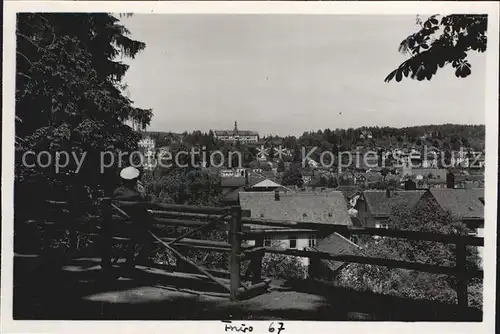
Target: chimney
[[246, 177], [450, 180], [410, 185], [276, 195], [388, 192]]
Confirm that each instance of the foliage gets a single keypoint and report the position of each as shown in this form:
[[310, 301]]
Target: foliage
[[281, 166], [443, 137], [281, 266], [413, 284], [442, 40], [184, 186], [190, 187], [293, 176], [68, 98], [207, 259]]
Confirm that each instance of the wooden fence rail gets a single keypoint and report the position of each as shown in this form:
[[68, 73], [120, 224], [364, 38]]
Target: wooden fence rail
[[460, 241], [404, 234], [236, 222]]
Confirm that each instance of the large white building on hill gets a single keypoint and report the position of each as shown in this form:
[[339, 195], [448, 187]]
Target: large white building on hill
[[237, 135]]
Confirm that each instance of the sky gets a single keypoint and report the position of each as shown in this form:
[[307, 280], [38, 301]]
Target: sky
[[286, 74]]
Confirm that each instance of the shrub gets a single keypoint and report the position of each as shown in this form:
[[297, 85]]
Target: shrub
[[283, 267]]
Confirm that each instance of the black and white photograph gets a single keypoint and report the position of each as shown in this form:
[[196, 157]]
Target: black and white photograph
[[250, 168]]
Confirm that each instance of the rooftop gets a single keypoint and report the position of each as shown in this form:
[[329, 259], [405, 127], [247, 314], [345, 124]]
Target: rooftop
[[433, 173], [381, 205], [298, 207], [348, 191], [461, 203], [235, 132], [338, 245], [266, 184]]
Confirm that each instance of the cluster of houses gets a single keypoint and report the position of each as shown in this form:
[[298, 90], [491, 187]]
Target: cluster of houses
[[355, 200], [349, 206], [261, 195]]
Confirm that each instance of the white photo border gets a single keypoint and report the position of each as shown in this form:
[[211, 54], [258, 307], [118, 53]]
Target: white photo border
[[8, 325]]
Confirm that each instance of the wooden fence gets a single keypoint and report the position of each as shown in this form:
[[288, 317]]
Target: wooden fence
[[460, 271], [233, 220]]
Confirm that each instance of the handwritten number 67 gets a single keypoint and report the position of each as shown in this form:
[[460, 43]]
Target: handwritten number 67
[[280, 328]]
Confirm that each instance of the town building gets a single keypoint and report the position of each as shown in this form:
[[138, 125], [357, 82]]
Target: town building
[[465, 205], [249, 181], [236, 135], [233, 172], [469, 181], [147, 148], [374, 207], [147, 143], [366, 134], [311, 207], [426, 173], [333, 244]]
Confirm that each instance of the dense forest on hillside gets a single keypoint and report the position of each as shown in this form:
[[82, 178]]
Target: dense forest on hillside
[[445, 136]]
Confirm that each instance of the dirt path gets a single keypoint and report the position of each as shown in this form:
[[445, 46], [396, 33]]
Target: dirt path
[[75, 292]]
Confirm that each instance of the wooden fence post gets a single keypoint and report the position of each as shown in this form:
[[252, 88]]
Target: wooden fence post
[[235, 256], [256, 261], [461, 276]]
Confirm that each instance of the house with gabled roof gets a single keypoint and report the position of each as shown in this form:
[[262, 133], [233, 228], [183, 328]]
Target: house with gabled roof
[[232, 186], [469, 181], [465, 205], [266, 185], [310, 207], [349, 191], [375, 207], [337, 244]]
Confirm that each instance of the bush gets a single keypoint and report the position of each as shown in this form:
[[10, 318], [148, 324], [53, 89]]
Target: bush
[[283, 267]]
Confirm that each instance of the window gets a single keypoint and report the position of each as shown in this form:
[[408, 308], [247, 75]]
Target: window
[[267, 241], [293, 242], [312, 241], [382, 224]]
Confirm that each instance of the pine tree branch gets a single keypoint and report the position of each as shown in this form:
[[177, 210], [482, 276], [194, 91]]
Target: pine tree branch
[[25, 57], [28, 39], [24, 75]]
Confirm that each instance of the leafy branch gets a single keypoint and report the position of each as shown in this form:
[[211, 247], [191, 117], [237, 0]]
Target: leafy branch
[[440, 42]]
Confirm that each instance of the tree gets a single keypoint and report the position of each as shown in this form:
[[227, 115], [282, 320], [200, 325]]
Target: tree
[[384, 173], [427, 217], [282, 266], [293, 176], [439, 42], [281, 166], [332, 182], [69, 98]]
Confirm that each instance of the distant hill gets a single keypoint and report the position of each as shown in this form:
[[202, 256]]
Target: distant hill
[[440, 136], [161, 134], [443, 136]]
